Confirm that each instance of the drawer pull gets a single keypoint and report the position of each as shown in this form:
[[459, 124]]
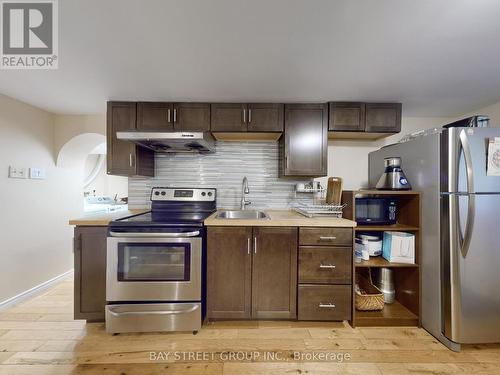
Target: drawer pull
[[328, 266], [327, 238], [326, 305]]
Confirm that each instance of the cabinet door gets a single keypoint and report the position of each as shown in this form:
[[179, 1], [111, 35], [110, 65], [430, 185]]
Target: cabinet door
[[155, 116], [120, 154], [383, 117], [123, 157], [90, 273], [265, 117], [347, 116], [193, 117], [274, 273], [305, 141], [228, 117], [229, 272]]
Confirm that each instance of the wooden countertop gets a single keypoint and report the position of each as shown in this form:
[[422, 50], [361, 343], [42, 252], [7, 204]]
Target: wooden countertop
[[103, 219], [281, 218]]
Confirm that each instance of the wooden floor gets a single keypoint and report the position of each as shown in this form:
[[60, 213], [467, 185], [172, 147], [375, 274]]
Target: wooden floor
[[40, 337]]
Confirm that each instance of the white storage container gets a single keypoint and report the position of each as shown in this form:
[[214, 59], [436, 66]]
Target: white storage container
[[374, 244], [399, 247]]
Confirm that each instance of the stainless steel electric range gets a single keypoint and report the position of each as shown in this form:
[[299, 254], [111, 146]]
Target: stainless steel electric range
[[155, 264]]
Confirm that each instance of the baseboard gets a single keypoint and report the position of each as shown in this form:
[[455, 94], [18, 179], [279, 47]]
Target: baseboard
[[30, 293]]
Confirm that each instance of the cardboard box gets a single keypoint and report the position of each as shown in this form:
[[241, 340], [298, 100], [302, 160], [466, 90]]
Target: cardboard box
[[399, 247]]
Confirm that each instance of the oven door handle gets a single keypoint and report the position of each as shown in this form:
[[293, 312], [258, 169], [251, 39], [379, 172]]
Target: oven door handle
[[154, 235], [159, 312]]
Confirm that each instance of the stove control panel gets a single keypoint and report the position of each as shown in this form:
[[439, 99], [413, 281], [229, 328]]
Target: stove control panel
[[183, 194]]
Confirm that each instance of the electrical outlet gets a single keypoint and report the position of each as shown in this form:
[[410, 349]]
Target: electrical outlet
[[37, 174], [15, 172]]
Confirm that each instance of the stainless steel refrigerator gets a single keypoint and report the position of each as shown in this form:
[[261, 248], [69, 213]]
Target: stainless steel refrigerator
[[460, 258]]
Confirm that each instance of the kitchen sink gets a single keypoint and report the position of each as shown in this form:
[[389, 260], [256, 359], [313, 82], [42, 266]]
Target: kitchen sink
[[243, 214]]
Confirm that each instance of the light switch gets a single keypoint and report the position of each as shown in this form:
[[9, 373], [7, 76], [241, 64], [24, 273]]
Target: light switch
[[16, 172], [37, 174]]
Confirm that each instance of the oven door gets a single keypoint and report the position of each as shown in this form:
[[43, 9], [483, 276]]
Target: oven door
[[153, 267]]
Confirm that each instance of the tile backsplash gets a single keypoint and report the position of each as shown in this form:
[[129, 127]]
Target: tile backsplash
[[223, 170]]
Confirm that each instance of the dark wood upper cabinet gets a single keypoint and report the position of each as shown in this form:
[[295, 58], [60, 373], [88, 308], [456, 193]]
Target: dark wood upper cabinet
[[254, 117], [265, 117], [347, 116], [124, 158], [169, 117], [155, 116], [90, 272], [303, 149], [228, 117], [274, 273], [229, 272], [383, 117], [193, 117]]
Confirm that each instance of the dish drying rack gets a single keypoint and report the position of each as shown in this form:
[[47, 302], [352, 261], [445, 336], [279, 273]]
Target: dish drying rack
[[315, 210]]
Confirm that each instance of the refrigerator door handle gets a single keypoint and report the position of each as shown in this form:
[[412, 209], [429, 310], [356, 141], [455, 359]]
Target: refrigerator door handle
[[471, 204], [469, 171]]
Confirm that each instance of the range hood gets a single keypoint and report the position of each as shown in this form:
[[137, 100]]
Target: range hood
[[201, 142]]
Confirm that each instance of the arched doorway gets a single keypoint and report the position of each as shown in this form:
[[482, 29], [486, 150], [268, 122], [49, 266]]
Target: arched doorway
[[100, 192]]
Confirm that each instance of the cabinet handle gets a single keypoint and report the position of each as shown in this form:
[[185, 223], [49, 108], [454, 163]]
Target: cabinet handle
[[175, 115], [77, 243], [249, 116], [168, 115], [327, 238], [286, 162], [327, 266], [248, 245], [244, 115], [130, 160], [326, 305], [255, 245]]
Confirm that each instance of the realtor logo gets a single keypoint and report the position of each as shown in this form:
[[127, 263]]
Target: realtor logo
[[29, 34]]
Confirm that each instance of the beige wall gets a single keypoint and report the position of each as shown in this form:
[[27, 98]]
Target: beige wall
[[69, 126], [349, 159], [492, 111], [35, 240], [105, 184]]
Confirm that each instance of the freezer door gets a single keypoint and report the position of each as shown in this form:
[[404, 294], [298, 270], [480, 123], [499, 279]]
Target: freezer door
[[471, 268], [464, 161]]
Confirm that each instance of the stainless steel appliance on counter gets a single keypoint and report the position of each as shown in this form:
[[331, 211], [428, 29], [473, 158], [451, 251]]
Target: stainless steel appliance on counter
[[393, 177], [460, 259], [154, 275]]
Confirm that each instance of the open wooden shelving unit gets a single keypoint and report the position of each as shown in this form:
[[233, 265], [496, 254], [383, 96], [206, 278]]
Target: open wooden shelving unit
[[405, 311]]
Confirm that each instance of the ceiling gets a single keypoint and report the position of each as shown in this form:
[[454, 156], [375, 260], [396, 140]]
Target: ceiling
[[438, 57]]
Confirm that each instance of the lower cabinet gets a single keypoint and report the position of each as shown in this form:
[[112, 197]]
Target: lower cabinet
[[229, 273], [325, 302], [325, 274], [252, 273], [274, 273], [90, 272]]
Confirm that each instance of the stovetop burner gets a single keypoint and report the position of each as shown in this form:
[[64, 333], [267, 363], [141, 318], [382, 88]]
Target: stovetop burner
[[173, 207]]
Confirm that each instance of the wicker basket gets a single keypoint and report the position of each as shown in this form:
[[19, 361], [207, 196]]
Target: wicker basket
[[373, 299]]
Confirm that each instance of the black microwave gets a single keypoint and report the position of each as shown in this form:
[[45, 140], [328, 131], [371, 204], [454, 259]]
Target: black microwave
[[381, 211]]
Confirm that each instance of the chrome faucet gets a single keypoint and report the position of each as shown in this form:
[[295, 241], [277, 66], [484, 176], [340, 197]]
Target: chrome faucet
[[244, 190]]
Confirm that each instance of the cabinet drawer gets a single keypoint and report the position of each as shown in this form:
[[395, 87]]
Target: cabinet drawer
[[324, 302], [325, 265], [325, 236]]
